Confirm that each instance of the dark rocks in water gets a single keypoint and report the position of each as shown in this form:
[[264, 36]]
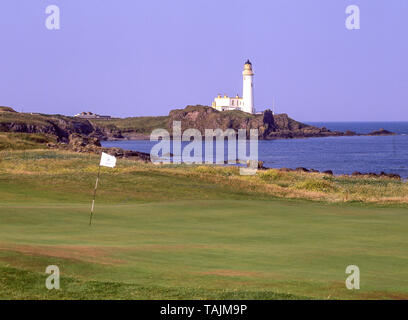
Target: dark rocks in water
[[261, 165], [375, 175], [381, 132], [329, 172], [372, 175], [390, 175], [300, 169], [350, 133]]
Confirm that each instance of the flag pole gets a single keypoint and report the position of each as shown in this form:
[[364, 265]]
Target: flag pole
[[94, 195]]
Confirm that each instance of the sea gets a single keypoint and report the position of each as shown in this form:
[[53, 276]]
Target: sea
[[342, 155]]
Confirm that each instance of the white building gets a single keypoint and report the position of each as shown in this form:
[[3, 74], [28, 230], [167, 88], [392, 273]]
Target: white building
[[246, 103], [90, 115]]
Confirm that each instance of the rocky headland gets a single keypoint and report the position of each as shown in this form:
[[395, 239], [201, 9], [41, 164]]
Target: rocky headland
[[84, 135], [270, 126]]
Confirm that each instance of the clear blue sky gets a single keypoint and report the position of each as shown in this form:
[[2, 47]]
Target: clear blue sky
[[132, 58]]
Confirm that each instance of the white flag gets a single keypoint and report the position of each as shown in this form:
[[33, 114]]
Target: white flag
[[108, 160]]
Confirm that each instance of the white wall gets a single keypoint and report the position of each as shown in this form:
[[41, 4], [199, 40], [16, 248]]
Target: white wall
[[232, 103]]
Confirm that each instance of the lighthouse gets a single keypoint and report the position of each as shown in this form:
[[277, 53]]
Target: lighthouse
[[244, 103], [248, 88]]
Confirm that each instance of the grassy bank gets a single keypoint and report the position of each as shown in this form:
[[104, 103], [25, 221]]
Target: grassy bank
[[23, 141], [45, 168], [196, 231], [142, 125]]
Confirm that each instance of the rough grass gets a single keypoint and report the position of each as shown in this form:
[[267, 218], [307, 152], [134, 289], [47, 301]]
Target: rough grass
[[311, 186], [25, 118], [23, 141], [143, 125], [265, 184]]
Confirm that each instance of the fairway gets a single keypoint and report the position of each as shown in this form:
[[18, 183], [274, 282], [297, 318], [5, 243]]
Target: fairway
[[186, 233], [253, 248]]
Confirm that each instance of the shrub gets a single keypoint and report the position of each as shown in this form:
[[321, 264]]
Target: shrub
[[316, 185]]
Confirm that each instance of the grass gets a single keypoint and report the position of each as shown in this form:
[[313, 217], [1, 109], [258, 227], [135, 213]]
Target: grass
[[23, 141], [22, 118], [142, 125], [196, 232]]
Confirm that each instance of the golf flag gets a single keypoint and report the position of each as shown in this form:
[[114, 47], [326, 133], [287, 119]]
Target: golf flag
[[107, 160]]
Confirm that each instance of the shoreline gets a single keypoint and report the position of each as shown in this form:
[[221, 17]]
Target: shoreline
[[144, 137], [329, 172]]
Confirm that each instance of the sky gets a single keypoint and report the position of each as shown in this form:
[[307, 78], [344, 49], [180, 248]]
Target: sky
[[137, 58]]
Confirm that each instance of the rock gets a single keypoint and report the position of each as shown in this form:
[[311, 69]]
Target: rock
[[328, 172], [269, 126], [390, 175], [372, 175], [375, 175], [59, 126], [81, 143], [87, 144], [381, 132], [7, 109], [301, 169], [259, 164]]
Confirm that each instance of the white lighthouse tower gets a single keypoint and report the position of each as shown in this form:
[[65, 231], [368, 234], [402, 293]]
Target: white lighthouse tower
[[246, 103], [248, 88]]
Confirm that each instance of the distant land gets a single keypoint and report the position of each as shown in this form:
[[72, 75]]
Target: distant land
[[270, 126]]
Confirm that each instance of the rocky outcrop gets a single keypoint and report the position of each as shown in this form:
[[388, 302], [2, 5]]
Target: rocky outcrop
[[381, 132], [269, 126], [59, 126], [375, 175], [81, 143], [87, 144], [7, 109], [202, 118], [354, 174]]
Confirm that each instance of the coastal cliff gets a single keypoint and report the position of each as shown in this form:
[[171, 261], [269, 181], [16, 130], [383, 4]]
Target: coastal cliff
[[270, 126]]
